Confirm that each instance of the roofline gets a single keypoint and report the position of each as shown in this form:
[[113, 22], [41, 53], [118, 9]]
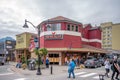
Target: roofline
[[26, 33], [51, 21]]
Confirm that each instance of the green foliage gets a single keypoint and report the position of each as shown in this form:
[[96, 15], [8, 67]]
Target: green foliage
[[41, 52], [23, 59]]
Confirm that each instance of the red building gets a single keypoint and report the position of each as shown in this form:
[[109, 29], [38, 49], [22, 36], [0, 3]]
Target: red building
[[65, 38]]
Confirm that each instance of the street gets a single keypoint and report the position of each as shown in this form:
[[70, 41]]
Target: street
[[59, 73]]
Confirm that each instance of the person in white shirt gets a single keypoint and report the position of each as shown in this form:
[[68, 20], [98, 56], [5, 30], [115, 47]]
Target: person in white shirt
[[107, 67]]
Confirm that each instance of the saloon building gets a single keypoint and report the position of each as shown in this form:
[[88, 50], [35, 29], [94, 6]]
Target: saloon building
[[65, 38]]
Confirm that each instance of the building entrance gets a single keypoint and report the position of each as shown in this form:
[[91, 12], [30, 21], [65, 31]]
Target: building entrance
[[53, 58]]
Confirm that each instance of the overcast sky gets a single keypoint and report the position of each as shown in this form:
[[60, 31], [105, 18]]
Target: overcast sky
[[14, 12]]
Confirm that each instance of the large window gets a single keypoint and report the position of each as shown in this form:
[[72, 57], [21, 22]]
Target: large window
[[54, 27], [71, 27]]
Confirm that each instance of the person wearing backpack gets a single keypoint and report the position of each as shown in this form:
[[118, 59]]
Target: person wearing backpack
[[115, 68]]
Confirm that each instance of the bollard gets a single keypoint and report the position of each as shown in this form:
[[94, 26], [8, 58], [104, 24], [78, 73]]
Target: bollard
[[51, 68], [101, 76]]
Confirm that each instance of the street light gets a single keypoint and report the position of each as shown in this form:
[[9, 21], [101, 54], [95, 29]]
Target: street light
[[38, 28]]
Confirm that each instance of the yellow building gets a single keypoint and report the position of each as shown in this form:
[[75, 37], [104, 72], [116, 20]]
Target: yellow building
[[110, 35], [22, 45]]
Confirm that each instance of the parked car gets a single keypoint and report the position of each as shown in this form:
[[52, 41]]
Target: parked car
[[92, 62], [101, 60], [2, 61]]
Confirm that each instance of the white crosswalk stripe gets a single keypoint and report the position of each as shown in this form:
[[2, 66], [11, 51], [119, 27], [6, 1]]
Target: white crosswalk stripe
[[96, 77], [21, 79], [87, 74], [6, 74], [80, 73]]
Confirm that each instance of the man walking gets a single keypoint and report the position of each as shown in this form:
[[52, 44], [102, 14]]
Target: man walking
[[115, 68]]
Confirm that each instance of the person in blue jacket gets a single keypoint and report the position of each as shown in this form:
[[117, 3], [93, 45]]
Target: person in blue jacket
[[47, 62], [71, 67]]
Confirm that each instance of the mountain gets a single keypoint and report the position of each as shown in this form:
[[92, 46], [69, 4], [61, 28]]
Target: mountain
[[6, 38]]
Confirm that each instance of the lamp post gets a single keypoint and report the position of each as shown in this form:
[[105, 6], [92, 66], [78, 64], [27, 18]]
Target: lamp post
[[39, 58]]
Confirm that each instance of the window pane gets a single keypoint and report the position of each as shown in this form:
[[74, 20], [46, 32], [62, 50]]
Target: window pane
[[72, 27], [68, 27], [54, 27], [76, 28]]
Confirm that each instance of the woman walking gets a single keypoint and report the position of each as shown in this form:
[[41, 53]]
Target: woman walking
[[107, 67], [71, 68]]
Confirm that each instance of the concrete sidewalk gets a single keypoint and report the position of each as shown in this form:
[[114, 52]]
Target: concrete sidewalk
[[47, 71]]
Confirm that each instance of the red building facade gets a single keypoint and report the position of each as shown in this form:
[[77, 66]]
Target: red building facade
[[65, 38]]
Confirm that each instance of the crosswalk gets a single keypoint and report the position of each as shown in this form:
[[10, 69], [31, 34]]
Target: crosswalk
[[6, 74], [10, 73], [87, 74]]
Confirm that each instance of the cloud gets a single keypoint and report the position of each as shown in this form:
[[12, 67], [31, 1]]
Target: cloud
[[14, 12]]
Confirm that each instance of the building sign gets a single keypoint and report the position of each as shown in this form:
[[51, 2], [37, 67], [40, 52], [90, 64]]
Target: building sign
[[53, 37], [8, 42], [20, 39]]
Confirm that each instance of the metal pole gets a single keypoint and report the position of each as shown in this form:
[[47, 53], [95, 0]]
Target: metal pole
[[39, 57], [51, 69]]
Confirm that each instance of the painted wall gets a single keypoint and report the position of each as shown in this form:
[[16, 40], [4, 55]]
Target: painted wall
[[23, 40], [116, 37]]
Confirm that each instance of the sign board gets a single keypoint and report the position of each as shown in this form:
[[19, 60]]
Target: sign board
[[53, 37]]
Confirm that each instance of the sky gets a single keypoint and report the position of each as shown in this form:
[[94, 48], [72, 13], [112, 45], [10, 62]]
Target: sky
[[14, 12]]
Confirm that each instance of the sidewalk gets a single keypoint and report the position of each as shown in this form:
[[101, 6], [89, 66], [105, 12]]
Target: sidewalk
[[56, 70]]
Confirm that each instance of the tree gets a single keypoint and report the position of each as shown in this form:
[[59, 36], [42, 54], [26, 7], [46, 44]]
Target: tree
[[40, 52]]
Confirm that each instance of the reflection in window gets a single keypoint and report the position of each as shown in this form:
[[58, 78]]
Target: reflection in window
[[54, 27]]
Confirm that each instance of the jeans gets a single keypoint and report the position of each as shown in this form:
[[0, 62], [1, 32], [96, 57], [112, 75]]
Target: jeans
[[115, 71], [71, 71]]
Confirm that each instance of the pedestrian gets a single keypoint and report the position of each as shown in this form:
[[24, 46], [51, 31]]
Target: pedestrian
[[66, 61], [47, 62], [18, 65], [107, 67], [71, 68], [115, 68]]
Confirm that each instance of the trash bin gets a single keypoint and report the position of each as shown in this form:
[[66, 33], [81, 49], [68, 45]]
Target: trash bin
[[32, 65]]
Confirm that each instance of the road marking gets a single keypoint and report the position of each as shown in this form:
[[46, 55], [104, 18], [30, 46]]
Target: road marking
[[20, 79], [80, 73], [5, 74], [87, 75], [96, 77]]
